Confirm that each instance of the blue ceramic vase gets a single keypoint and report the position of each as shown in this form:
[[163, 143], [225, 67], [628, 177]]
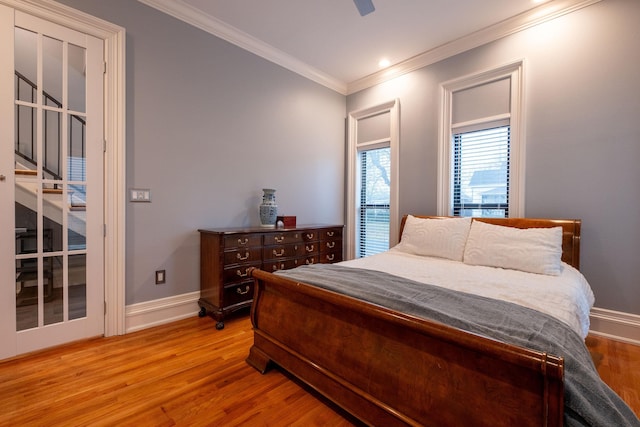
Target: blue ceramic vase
[[268, 208]]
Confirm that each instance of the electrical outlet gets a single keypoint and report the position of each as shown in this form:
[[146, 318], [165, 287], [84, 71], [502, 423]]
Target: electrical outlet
[[161, 277]]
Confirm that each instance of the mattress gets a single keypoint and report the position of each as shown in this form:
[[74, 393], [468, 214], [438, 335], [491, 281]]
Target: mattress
[[567, 297]]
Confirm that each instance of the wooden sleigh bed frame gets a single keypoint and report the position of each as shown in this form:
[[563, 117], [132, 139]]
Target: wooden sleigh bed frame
[[388, 368]]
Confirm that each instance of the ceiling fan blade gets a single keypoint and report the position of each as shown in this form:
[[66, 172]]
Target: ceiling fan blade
[[364, 6]]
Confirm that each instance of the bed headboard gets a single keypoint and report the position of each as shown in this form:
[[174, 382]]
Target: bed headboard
[[570, 232]]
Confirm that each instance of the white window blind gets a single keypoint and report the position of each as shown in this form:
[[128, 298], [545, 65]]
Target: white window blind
[[481, 172], [374, 201]]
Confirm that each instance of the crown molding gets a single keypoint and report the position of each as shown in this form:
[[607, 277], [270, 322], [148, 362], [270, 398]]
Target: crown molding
[[187, 13], [543, 13]]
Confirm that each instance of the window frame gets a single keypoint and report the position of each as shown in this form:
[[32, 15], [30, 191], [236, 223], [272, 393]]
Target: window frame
[[515, 72], [353, 186]]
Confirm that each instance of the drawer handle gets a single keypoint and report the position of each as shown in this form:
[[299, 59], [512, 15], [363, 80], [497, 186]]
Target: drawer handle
[[309, 261], [279, 239], [243, 241], [276, 253], [309, 236], [331, 245], [330, 233], [330, 257], [309, 248], [276, 267], [241, 274], [241, 292], [242, 258]]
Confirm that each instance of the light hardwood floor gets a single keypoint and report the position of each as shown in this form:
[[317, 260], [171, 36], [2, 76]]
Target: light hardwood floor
[[187, 373]]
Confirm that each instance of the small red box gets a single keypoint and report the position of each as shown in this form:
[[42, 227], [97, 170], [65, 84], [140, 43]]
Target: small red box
[[287, 221]]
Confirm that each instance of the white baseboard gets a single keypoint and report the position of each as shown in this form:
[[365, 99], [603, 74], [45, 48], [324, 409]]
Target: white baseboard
[[615, 325], [157, 312]]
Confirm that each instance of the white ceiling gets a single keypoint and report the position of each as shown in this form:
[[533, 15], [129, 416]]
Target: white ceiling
[[329, 42]]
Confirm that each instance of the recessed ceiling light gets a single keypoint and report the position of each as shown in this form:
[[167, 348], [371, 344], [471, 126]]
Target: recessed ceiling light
[[384, 63]]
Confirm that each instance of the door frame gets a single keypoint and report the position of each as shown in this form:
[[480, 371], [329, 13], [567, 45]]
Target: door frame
[[113, 37]]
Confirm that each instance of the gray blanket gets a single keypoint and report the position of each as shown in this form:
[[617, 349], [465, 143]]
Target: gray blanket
[[588, 400]]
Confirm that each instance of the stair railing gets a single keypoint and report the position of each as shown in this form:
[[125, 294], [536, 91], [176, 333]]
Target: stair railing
[[50, 168]]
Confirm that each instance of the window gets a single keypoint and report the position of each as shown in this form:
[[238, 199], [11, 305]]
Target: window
[[481, 173], [372, 173], [481, 153], [374, 201]]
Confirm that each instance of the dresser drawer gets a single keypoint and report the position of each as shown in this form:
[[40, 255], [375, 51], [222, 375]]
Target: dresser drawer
[[285, 264], [237, 273], [282, 238], [331, 257], [311, 248], [239, 292], [331, 233], [330, 245], [282, 251], [309, 260], [242, 255], [275, 265], [311, 235], [242, 241]]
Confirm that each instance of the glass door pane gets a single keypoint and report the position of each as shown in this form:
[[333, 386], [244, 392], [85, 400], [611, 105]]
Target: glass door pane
[[50, 180], [26, 74]]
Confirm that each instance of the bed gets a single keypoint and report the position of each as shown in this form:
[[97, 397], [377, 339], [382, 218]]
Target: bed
[[384, 342]]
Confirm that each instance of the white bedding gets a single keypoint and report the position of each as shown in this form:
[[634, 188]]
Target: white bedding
[[567, 297]]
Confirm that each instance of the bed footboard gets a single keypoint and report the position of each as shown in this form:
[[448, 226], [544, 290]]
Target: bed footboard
[[388, 368]]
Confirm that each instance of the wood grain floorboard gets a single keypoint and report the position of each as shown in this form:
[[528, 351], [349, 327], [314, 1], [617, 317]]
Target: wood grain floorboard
[[184, 373], [187, 373], [618, 364]]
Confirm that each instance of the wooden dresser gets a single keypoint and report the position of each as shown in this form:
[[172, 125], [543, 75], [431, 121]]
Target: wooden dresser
[[227, 253]]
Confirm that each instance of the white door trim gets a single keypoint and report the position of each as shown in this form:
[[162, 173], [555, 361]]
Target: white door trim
[[115, 154]]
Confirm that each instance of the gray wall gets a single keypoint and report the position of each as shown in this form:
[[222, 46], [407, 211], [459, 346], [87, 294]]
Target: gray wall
[[582, 117], [208, 126]]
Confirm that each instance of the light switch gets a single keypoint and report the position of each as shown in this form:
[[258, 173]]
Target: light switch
[[140, 195]]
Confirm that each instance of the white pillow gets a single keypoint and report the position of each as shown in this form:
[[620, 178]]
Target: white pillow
[[535, 250], [438, 237]]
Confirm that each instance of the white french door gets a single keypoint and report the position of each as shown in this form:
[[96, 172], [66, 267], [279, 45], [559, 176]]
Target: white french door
[[51, 184]]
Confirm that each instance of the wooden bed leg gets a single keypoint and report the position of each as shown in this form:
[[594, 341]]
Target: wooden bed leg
[[258, 359]]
